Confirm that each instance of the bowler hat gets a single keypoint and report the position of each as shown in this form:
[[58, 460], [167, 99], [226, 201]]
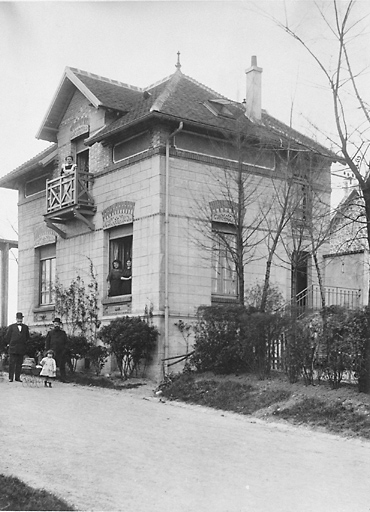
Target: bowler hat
[[57, 320], [19, 315]]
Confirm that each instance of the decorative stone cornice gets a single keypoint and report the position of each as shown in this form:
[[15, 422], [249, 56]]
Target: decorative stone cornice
[[223, 210], [80, 126], [118, 214], [43, 236]]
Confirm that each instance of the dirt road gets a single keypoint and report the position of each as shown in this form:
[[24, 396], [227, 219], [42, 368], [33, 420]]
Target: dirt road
[[126, 451]]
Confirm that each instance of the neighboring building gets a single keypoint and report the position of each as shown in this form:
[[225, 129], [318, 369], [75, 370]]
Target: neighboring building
[[347, 263], [147, 162]]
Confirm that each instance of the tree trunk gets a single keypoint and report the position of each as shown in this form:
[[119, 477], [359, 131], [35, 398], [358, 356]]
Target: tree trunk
[[240, 224]]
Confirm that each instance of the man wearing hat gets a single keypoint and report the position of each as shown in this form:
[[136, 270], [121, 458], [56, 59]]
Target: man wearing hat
[[56, 340], [17, 337]]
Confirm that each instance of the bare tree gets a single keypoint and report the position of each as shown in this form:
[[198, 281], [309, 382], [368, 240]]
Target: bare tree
[[345, 24], [233, 197], [344, 82]]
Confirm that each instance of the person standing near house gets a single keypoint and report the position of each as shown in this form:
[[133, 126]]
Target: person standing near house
[[57, 341], [68, 165], [17, 337], [49, 368]]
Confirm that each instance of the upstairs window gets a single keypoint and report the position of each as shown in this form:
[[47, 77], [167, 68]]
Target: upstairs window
[[220, 107], [36, 185]]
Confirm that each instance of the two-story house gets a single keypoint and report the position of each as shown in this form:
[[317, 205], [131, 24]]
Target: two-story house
[[153, 166]]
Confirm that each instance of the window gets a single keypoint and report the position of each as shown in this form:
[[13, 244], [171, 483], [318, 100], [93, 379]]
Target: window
[[35, 185], [132, 146], [302, 207], [224, 280], [47, 274], [219, 107], [216, 148], [120, 249]]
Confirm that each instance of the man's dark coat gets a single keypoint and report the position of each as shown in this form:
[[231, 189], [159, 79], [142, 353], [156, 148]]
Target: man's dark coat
[[57, 340], [17, 339]]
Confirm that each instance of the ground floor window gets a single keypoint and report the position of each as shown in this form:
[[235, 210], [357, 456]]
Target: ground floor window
[[224, 277], [120, 261], [47, 274]]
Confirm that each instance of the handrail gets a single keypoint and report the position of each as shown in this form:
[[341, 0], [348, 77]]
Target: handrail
[[310, 298]]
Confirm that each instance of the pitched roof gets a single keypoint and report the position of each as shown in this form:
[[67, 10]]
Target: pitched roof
[[40, 160], [181, 97], [101, 92], [177, 96]]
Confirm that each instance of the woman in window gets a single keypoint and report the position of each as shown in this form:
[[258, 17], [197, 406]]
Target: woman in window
[[126, 278], [115, 279]]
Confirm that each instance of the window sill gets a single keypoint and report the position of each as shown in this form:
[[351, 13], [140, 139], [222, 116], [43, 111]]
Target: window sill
[[118, 299], [226, 299], [42, 309], [44, 314], [117, 306]]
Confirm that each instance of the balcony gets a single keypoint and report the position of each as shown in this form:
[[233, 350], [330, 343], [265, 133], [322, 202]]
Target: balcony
[[68, 197]]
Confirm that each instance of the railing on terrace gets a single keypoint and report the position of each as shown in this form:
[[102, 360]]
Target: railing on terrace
[[69, 190], [310, 298]]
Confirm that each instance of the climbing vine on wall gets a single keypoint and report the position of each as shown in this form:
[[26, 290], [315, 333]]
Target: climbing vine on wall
[[77, 305]]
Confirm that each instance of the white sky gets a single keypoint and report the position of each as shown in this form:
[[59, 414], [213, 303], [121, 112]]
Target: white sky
[[137, 43]]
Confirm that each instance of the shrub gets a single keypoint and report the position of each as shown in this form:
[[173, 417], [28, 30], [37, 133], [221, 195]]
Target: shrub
[[297, 350], [78, 347], [232, 338], [97, 354], [357, 333], [218, 339], [35, 345], [332, 342], [274, 302], [3, 349], [131, 340], [337, 344]]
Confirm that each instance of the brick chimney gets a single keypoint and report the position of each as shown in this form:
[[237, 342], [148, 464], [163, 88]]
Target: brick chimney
[[253, 98]]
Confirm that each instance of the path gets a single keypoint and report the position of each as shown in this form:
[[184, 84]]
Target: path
[[121, 451]]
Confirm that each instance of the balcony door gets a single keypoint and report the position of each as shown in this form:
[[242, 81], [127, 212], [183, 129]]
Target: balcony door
[[299, 278]]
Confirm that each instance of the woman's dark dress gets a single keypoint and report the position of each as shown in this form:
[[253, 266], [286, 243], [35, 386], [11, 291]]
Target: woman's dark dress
[[115, 281], [126, 284]]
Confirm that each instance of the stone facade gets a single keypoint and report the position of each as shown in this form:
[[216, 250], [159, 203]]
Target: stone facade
[[132, 193]]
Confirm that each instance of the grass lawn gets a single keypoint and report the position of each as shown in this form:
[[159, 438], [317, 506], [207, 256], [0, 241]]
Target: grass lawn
[[343, 411], [15, 495]]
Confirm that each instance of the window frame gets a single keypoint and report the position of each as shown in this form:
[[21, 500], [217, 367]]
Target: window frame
[[121, 233], [47, 267], [224, 274]]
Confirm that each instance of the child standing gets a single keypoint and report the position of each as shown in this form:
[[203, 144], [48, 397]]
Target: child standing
[[49, 368]]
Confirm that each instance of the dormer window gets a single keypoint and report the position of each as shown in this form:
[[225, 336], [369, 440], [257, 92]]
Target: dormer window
[[219, 107]]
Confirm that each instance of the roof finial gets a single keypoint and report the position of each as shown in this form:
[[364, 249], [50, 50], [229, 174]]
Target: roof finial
[[178, 65]]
